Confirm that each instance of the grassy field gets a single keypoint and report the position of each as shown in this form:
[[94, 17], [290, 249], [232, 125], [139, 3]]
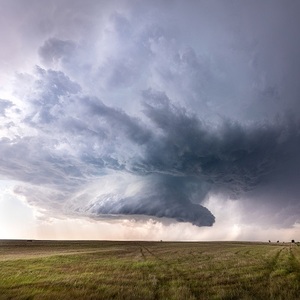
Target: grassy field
[[148, 270]]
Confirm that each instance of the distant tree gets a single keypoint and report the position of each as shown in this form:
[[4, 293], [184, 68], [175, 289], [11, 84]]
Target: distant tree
[[269, 241], [293, 241]]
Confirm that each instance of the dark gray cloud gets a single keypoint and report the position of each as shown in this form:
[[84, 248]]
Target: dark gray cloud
[[157, 206], [230, 156], [152, 108]]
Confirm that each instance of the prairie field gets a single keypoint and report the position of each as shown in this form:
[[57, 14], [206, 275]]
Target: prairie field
[[148, 270]]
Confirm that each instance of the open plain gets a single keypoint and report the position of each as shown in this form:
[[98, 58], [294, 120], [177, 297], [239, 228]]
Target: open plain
[[148, 270]]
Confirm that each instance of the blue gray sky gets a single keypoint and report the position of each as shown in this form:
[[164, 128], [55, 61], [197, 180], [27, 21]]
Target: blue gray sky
[[150, 120]]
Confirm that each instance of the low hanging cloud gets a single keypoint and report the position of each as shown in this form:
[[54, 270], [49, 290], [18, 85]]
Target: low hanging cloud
[[172, 161], [130, 114]]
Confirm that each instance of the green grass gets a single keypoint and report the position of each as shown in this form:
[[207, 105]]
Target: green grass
[[148, 270]]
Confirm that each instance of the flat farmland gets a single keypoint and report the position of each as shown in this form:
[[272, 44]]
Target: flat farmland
[[148, 270]]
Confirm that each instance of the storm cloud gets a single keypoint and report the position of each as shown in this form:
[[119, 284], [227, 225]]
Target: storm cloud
[[132, 109]]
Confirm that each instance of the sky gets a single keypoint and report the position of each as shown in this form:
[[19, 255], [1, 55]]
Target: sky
[[150, 120]]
